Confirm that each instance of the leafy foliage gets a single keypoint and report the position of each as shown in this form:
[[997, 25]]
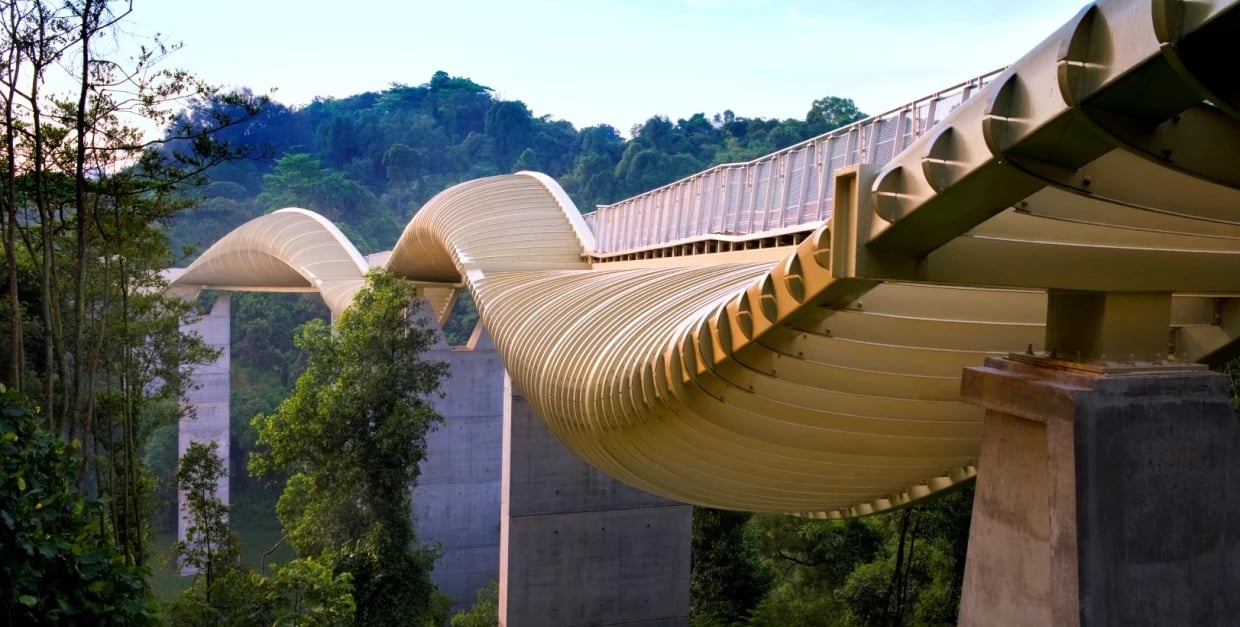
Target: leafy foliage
[[830, 113], [351, 437], [312, 594], [462, 320], [1232, 369], [299, 180], [210, 545], [86, 325], [265, 365], [485, 611], [303, 592], [728, 578], [56, 567], [899, 568], [160, 456]]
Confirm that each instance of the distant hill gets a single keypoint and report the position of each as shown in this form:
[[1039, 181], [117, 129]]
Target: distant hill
[[368, 162]]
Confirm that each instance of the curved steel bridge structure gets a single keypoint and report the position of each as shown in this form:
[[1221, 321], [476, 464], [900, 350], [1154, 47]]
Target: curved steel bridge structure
[[789, 334]]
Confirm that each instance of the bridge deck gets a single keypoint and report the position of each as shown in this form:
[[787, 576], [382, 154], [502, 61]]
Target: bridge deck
[[787, 190], [820, 373]]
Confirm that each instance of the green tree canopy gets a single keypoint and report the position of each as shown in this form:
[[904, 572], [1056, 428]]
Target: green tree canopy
[[84, 194], [728, 579], [485, 610], [351, 437], [830, 113], [210, 546], [56, 567], [299, 180]]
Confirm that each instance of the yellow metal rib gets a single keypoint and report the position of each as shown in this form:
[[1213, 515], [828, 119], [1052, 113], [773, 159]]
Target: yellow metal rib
[[291, 250], [635, 372]]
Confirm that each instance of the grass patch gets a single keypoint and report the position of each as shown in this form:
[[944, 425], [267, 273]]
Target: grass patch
[[167, 581], [255, 542]]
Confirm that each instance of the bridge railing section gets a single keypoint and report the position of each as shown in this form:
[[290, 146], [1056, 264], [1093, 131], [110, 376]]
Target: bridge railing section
[[784, 189]]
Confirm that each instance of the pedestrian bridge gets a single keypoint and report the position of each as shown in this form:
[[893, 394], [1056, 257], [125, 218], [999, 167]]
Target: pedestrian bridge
[[789, 334]]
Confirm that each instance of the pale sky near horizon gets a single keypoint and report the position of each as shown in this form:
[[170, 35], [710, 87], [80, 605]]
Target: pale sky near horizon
[[608, 61]]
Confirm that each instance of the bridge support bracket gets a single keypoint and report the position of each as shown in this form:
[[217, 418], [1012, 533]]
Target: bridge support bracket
[[854, 222], [1103, 499], [1108, 327]]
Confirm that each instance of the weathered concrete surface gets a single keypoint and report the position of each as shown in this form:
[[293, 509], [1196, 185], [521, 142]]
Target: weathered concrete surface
[[1009, 528], [579, 548], [208, 396], [456, 500], [1103, 499]]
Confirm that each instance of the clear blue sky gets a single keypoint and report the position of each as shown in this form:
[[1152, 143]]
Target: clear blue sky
[[608, 62]]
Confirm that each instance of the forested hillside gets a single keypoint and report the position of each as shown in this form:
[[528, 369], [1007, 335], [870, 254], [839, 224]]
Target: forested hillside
[[368, 162]]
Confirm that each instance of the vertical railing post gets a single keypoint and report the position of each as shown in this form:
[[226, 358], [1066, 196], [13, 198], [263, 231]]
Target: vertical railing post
[[626, 224], [661, 201], [875, 131], [719, 213], [616, 227], [700, 207], [602, 239], [901, 130], [824, 175], [752, 195], [809, 166], [777, 190], [600, 228], [649, 206], [667, 222]]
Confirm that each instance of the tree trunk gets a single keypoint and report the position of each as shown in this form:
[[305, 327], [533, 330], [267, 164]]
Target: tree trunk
[[46, 216], [12, 67], [893, 588], [81, 209]]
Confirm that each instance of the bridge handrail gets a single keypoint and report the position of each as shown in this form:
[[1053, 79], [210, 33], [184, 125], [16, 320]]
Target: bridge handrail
[[740, 198]]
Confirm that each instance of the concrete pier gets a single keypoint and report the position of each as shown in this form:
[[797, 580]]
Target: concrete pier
[[1103, 499], [579, 548], [456, 500], [209, 396]]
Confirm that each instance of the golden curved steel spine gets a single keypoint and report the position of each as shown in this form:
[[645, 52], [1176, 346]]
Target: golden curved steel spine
[[636, 372], [827, 383], [289, 250], [292, 250]]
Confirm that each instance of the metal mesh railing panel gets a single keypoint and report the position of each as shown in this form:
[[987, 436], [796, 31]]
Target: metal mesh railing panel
[[787, 188]]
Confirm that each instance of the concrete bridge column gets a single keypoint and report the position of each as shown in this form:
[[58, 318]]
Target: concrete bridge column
[[1103, 498], [456, 500], [579, 548], [209, 395]]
